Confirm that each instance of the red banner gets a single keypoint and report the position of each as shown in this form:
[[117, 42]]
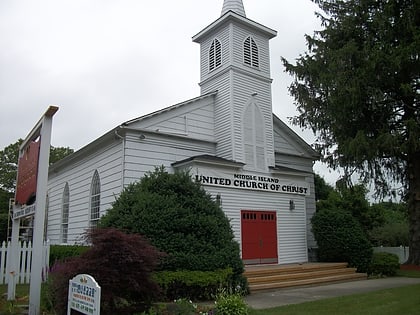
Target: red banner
[[27, 174]]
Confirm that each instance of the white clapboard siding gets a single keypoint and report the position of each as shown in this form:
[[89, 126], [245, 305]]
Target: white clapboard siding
[[194, 119], [143, 156], [244, 86], [107, 161], [291, 225], [240, 33], [223, 37]]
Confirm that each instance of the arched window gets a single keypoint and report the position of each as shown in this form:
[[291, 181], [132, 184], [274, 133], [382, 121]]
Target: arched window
[[251, 57], [254, 140], [215, 55], [65, 214], [95, 199]]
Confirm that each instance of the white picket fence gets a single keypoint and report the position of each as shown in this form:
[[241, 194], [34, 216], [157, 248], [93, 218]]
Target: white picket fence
[[23, 273]]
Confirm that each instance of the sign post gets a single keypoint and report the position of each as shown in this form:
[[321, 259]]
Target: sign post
[[31, 185]]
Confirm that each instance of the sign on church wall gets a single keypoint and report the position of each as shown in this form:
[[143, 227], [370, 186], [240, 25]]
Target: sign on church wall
[[253, 182]]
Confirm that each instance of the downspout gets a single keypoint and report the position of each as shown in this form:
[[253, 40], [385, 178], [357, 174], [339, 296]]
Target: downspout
[[122, 157]]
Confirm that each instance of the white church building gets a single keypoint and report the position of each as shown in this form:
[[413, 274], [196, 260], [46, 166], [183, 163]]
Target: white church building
[[252, 163]]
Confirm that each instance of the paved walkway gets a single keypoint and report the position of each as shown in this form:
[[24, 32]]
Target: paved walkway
[[281, 297]]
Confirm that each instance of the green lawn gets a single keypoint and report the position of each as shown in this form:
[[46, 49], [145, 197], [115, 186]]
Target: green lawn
[[404, 300], [408, 273], [22, 298]]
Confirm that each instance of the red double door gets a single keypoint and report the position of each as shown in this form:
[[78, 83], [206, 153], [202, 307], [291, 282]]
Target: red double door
[[259, 237]]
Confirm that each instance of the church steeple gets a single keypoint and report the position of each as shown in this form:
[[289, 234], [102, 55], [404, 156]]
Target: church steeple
[[235, 62], [235, 6]]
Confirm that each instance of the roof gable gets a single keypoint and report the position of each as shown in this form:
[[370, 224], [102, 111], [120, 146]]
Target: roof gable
[[193, 118], [286, 141]]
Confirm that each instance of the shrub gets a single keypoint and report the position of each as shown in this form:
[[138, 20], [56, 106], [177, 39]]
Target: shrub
[[340, 238], [230, 304], [193, 285], [63, 252], [181, 219], [122, 265], [390, 234], [384, 264]]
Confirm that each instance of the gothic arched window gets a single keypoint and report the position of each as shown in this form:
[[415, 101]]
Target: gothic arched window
[[215, 55], [251, 57], [65, 214], [95, 199]]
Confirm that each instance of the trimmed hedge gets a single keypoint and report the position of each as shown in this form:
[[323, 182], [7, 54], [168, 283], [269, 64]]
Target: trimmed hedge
[[384, 264], [193, 285], [64, 252]]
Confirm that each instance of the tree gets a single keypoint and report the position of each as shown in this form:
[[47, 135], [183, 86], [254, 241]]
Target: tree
[[322, 188], [394, 228], [181, 219], [357, 87], [341, 238], [121, 263], [9, 157]]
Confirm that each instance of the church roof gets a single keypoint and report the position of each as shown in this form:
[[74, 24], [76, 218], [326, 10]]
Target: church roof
[[233, 5]]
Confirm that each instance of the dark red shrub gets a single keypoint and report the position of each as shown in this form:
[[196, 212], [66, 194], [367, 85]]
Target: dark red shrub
[[122, 265]]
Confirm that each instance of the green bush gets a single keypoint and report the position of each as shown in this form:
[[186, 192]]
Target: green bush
[[230, 304], [390, 234], [181, 219], [340, 238], [193, 285], [64, 252], [384, 264]]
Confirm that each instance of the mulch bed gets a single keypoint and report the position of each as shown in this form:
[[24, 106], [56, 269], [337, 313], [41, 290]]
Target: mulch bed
[[410, 267]]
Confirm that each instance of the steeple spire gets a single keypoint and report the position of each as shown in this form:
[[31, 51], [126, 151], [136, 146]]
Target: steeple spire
[[233, 5]]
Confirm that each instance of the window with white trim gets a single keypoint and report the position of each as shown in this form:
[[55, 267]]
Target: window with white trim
[[95, 199], [215, 55], [251, 57], [65, 214]]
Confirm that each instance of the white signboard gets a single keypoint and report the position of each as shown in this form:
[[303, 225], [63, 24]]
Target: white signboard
[[84, 295], [21, 212]]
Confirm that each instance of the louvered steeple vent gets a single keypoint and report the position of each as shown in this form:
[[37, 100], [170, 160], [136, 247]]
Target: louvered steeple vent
[[235, 6]]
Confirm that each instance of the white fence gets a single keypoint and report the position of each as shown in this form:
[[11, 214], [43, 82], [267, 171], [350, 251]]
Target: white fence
[[23, 273], [401, 252]]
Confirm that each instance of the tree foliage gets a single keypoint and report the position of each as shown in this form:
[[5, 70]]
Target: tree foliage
[[340, 238], [122, 265], [181, 219], [9, 157], [322, 188], [357, 87]]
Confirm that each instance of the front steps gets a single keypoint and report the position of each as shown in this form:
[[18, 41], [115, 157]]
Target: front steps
[[271, 277]]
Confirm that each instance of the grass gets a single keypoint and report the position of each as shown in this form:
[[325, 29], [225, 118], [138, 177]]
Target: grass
[[22, 298], [408, 273], [403, 300]]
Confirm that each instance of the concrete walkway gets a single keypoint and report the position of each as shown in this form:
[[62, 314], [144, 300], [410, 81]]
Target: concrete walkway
[[281, 297]]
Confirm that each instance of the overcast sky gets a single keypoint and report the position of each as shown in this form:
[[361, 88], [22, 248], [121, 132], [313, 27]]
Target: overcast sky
[[104, 62]]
